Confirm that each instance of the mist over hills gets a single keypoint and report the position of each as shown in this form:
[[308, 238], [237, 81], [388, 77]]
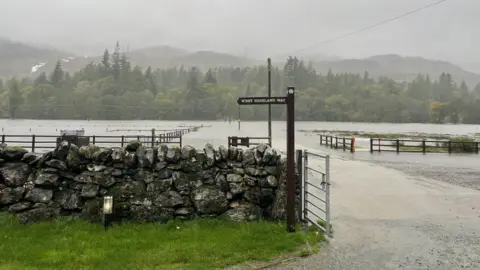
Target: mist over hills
[[21, 59]]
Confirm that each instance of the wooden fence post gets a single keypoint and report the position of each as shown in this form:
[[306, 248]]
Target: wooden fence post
[[321, 141], [33, 143], [398, 146], [352, 145], [371, 145], [424, 146], [343, 143], [153, 137], [93, 139]]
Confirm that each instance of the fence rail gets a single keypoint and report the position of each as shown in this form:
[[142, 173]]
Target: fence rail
[[338, 142], [422, 146], [43, 142]]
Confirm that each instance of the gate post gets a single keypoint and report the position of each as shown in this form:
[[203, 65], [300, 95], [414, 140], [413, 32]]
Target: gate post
[[305, 186], [301, 184], [327, 195]]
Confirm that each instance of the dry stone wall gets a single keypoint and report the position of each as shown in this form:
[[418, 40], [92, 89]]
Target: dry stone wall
[[147, 184]]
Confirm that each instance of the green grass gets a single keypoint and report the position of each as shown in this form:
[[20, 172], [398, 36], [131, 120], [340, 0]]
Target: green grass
[[198, 244]]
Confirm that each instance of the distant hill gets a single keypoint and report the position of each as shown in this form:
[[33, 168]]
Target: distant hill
[[399, 68], [17, 59], [164, 57]]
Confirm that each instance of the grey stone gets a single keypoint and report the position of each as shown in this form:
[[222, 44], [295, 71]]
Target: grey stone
[[188, 152], [73, 159], [223, 151], [173, 155], [88, 151], [90, 191], [248, 157], [39, 195], [130, 159], [159, 186], [61, 151], [256, 171], [237, 188], [269, 181], [221, 182], [208, 200], [14, 174], [243, 212], [96, 168], [234, 178], [31, 159], [57, 164], [118, 155], [209, 154], [168, 199], [133, 146], [11, 195], [46, 179], [68, 199], [250, 180], [18, 207]]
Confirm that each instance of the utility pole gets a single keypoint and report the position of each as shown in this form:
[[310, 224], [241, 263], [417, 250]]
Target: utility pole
[[269, 63], [238, 118]]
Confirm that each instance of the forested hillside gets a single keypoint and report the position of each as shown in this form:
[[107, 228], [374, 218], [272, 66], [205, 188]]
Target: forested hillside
[[114, 89]]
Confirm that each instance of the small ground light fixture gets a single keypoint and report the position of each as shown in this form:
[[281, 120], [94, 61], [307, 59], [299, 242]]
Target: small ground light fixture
[[107, 210]]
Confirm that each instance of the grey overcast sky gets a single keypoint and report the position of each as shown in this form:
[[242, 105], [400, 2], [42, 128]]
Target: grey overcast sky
[[259, 27]]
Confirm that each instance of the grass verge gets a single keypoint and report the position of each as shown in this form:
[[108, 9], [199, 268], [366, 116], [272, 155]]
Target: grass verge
[[197, 244]]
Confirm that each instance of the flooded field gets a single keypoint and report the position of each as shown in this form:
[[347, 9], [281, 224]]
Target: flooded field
[[459, 169]]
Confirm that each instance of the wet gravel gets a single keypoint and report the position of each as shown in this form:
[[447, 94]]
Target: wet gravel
[[443, 231]]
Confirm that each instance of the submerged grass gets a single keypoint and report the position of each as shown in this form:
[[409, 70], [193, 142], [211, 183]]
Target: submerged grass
[[196, 244]]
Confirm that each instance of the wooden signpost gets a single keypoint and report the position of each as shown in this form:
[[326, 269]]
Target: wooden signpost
[[288, 100]]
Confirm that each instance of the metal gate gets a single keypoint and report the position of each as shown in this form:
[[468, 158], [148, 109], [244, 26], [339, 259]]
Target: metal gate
[[314, 175]]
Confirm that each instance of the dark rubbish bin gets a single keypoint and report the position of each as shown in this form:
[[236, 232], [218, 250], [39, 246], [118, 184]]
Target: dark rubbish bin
[[74, 136]]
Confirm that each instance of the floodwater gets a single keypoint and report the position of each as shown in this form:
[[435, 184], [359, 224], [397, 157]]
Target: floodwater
[[456, 168]]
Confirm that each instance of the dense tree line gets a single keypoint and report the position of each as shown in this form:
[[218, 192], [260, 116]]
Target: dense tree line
[[113, 89]]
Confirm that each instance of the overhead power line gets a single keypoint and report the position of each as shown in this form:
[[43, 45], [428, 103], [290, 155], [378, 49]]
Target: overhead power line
[[370, 27]]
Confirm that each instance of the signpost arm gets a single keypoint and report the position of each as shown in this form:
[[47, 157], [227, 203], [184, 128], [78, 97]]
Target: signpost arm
[[291, 177], [269, 63]]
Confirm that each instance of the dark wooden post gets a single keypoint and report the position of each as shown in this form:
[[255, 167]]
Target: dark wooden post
[[336, 142], [321, 141], [33, 143], [371, 145], [93, 139], [123, 141], [343, 143], [424, 147], [398, 146], [291, 178], [153, 137]]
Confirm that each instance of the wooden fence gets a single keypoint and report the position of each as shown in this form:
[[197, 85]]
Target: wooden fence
[[422, 146], [338, 142], [44, 142], [246, 141]]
